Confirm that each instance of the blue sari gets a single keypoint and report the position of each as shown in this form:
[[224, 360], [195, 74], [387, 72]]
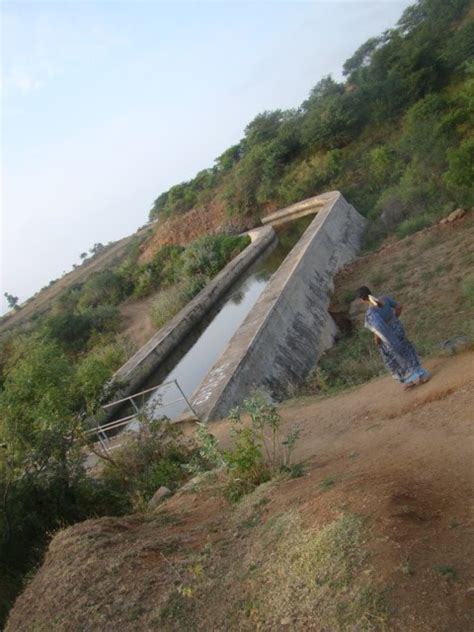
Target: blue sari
[[398, 354]]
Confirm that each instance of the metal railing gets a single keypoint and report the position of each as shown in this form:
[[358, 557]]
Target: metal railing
[[102, 429]]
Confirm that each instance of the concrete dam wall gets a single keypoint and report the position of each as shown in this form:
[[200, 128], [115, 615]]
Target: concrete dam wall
[[289, 327]]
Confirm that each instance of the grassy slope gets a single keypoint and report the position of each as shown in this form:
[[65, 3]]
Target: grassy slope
[[431, 274]]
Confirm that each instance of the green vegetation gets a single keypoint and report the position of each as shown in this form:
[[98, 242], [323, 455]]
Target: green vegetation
[[155, 456], [395, 137], [447, 571], [191, 272], [259, 449], [43, 484], [54, 377]]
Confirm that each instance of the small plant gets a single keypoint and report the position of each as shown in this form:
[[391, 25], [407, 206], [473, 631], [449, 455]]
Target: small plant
[[166, 305], [447, 571], [156, 455], [327, 484], [413, 225], [259, 451], [348, 296]]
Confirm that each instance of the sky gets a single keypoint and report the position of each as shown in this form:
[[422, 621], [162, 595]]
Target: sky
[[104, 105]]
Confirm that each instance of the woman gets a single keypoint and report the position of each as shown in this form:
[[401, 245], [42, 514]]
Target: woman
[[398, 354]]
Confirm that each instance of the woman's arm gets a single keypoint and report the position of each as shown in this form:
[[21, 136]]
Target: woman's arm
[[398, 309]]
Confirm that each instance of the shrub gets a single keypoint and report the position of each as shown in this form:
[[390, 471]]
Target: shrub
[[413, 225], [351, 361], [207, 254], [93, 371], [467, 291], [167, 304], [259, 451], [154, 456], [73, 330], [460, 174]]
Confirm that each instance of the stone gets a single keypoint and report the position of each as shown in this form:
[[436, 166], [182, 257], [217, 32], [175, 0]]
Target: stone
[[457, 344], [286, 621], [455, 215], [161, 492]]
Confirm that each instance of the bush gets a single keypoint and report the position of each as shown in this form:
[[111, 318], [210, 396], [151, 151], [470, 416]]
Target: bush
[[167, 304], [259, 451], [467, 291], [93, 371], [73, 330], [413, 225], [154, 456], [352, 361], [460, 174], [107, 286]]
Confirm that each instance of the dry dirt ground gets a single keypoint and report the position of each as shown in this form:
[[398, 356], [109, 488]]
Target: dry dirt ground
[[388, 475]]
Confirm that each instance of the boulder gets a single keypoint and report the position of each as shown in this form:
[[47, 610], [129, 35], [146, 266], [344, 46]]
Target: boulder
[[158, 496]]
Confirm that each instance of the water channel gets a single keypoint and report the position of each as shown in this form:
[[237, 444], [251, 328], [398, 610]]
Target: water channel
[[200, 349]]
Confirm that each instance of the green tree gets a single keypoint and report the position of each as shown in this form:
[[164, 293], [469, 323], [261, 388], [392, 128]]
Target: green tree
[[12, 301]]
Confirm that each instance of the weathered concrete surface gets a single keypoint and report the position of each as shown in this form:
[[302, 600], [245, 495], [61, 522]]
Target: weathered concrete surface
[[300, 209], [135, 371], [289, 327]]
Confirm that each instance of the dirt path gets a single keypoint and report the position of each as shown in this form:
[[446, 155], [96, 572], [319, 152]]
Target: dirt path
[[336, 423]]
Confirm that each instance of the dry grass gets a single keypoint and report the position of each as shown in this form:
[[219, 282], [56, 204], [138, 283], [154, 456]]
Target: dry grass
[[312, 579], [430, 273], [167, 304]]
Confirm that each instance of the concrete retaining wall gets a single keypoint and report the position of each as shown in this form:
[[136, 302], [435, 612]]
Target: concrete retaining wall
[[289, 327], [137, 369]]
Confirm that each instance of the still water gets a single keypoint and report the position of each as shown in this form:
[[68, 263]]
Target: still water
[[202, 347]]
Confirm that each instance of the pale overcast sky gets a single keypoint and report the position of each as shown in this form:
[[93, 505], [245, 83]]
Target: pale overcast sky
[[107, 104]]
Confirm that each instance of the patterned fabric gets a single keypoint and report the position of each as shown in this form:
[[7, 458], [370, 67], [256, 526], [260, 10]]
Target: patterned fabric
[[398, 353]]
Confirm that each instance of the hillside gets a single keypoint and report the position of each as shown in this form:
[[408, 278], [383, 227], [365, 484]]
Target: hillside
[[376, 535], [42, 301], [386, 472]]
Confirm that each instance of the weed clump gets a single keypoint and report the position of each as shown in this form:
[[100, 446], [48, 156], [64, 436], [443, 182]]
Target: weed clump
[[156, 455], [260, 450]]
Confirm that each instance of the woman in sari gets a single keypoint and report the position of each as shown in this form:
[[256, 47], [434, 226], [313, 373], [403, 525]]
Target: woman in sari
[[398, 354]]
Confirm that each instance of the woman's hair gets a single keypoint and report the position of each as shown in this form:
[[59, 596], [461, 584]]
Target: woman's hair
[[366, 295], [363, 293]]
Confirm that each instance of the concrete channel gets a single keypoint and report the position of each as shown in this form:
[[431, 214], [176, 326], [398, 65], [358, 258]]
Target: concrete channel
[[137, 369], [287, 329]]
